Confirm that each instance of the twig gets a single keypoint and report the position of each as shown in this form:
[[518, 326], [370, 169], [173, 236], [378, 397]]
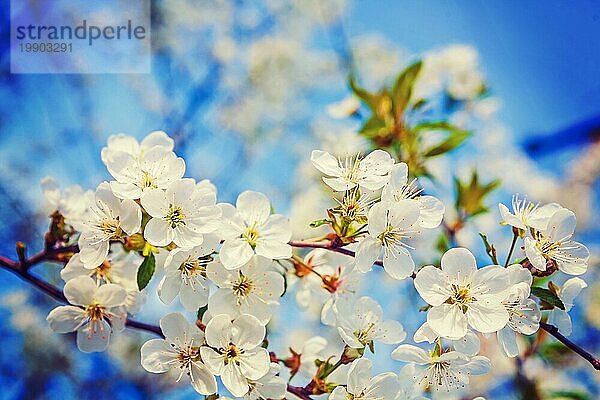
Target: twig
[[553, 330]]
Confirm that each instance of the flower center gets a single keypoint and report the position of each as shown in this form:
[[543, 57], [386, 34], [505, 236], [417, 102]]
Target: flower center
[[251, 235], [147, 181], [461, 296], [175, 216], [363, 336], [111, 228], [231, 354], [243, 286], [103, 271], [351, 169], [95, 311], [331, 282], [187, 355]]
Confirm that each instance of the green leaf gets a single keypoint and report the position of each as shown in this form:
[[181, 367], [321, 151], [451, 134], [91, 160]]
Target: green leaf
[[319, 222], [373, 126], [547, 296], [370, 99], [402, 90], [470, 196], [145, 271], [455, 137], [569, 395]]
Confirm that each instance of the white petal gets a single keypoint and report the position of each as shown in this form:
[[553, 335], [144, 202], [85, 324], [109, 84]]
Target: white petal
[[377, 162], [410, 354], [94, 336], [169, 287], [203, 381], [80, 291], [155, 202], [367, 252], [158, 232], [273, 249], [254, 207], [234, 381], [192, 297], [389, 332], [325, 162], [175, 328], [219, 331], [507, 339], [399, 175], [561, 225], [571, 289], [573, 258], [490, 280], [339, 393], [448, 321], [277, 227], [111, 295], [459, 263], [425, 334], [157, 354], [64, 319], [247, 332], [212, 360], [130, 216], [535, 256], [359, 375], [431, 285], [254, 364], [509, 218], [431, 212], [235, 253], [562, 320], [398, 263], [469, 344], [487, 318]]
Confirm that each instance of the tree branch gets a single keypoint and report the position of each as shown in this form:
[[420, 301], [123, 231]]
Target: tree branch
[[553, 330]]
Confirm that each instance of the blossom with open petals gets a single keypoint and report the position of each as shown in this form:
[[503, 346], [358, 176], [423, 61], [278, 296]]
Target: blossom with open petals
[[390, 225], [93, 313], [554, 244], [362, 385], [185, 274], [254, 289], [122, 143], [156, 168], [462, 295], [249, 228], [179, 350], [233, 351], [524, 313], [181, 214], [360, 323], [370, 172], [526, 214], [446, 372], [108, 218], [398, 189]]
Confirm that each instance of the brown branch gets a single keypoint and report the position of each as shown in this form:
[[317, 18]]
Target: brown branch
[[21, 269], [553, 330]]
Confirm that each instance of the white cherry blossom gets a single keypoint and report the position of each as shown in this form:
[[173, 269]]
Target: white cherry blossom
[[390, 225], [399, 189], [181, 214], [233, 351], [567, 294], [446, 372], [462, 295], [360, 323], [179, 350], [254, 289], [156, 168], [72, 202], [120, 267], [108, 218], [249, 228], [94, 313], [362, 385], [526, 214], [122, 143], [270, 386], [524, 313], [554, 244], [185, 274], [370, 172]]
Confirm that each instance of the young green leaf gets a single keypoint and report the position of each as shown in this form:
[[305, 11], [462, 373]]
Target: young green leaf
[[402, 90], [145, 271], [547, 296]]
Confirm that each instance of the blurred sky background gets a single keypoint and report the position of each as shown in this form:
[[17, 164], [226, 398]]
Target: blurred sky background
[[542, 61]]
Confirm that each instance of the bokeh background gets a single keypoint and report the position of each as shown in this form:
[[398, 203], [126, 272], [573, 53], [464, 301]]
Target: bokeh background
[[243, 87]]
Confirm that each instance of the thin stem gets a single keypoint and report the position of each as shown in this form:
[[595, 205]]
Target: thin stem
[[512, 248], [553, 330]]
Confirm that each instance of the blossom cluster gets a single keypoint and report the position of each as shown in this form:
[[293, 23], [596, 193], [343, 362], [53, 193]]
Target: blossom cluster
[[229, 264]]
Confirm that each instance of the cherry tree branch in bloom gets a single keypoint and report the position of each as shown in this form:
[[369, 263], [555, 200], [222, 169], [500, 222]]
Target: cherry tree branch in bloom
[[21, 269], [551, 329]]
